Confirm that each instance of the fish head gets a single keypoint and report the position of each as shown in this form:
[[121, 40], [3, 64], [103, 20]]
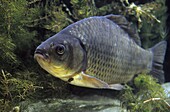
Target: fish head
[[61, 55]]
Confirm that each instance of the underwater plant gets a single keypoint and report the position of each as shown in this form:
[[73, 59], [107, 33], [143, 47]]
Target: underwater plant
[[13, 90], [147, 95]]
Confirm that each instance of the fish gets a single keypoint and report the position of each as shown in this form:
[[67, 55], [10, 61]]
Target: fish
[[102, 52]]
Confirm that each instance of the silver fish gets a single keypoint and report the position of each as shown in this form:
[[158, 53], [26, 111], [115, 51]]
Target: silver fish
[[99, 52]]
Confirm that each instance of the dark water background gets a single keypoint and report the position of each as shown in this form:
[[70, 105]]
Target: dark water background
[[167, 57]]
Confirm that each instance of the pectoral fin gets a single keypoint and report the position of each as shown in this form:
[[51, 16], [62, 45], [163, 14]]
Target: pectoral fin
[[85, 80]]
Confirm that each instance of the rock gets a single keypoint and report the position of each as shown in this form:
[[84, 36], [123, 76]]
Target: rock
[[82, 101], [75, 104], [166, 86]]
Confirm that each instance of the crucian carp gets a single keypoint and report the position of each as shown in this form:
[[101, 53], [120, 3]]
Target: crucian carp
[[99, 52]]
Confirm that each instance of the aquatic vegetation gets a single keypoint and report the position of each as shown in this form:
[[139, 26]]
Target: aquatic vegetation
[[55, 18], [7, 52], [14, 35], [14, 89], [142, 11], [147, 95], [84, 8]]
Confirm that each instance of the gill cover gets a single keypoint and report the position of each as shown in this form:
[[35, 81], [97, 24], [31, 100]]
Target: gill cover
[[76, 60], [78, 56]]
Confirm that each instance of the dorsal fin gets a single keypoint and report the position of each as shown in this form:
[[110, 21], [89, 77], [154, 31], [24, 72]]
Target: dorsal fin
[[125, 25]]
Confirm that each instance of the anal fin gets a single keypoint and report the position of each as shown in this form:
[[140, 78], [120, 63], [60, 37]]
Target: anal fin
[[116, 86]]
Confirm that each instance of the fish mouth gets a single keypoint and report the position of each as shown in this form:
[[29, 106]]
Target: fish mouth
[[39, 54]]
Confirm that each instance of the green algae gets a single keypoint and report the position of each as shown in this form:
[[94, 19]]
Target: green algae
[[145, 96]]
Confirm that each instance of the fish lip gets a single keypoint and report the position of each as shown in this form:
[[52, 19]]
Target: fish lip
[[41, 56], [41, 53], [38, 52]]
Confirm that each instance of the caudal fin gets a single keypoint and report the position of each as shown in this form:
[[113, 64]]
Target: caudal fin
[[158, 51]]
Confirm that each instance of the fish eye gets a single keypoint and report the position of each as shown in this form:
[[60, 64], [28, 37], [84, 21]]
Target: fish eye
[[60, 49]]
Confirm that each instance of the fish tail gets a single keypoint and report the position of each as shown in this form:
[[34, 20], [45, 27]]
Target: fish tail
[[158, 51]]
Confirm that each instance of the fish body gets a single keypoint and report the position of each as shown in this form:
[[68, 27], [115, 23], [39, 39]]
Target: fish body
[[99, 52]]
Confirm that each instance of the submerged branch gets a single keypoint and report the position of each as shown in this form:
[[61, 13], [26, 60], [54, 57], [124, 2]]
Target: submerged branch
[[157, 99]]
